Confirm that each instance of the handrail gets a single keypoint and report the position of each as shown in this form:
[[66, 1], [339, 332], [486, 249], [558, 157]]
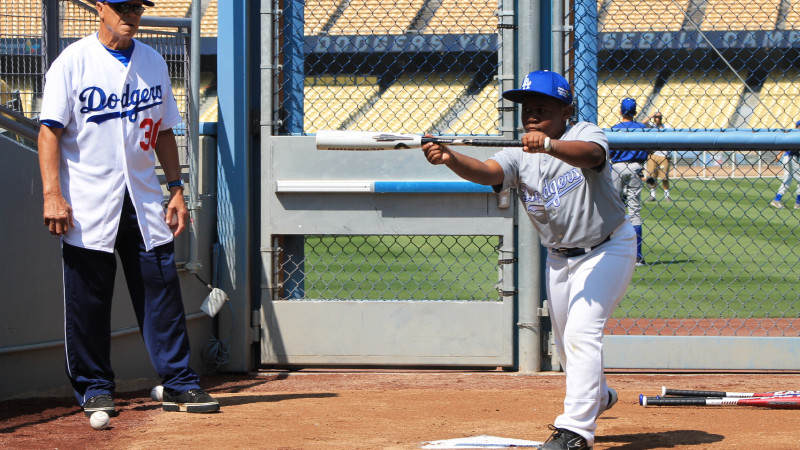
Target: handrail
[[17, 123]]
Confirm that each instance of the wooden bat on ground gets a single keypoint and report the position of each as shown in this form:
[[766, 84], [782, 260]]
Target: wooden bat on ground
[[378, 140]]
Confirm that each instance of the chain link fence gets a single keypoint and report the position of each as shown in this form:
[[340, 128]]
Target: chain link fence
[[407, 66], [720, 259], [389, 267], [23, 58]]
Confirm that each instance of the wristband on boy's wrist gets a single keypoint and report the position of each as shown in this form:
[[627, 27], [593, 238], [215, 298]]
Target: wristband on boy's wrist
[[172, 184]]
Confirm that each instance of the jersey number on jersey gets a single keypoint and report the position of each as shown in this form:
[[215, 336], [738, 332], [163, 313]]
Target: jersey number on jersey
[[150, 133]]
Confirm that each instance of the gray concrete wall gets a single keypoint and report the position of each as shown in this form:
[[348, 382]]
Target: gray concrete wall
[[31, 311]]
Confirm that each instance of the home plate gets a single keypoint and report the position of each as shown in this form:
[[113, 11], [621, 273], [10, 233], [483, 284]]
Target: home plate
[[481, 441]]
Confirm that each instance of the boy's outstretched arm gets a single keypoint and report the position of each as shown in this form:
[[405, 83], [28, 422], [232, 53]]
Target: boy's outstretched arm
[[486, 172], [580, 154]]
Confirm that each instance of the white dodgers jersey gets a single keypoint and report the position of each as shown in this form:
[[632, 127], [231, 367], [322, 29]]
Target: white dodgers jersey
[[112, 115]]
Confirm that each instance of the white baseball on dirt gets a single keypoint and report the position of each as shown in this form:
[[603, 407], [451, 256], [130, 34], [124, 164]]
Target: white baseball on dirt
[[157, 393], [99, 420]]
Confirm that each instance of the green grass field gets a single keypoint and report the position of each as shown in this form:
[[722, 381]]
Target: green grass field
[[718, 251]]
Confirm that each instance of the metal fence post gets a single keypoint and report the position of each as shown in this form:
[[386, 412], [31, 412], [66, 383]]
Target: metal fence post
[[50, 31]]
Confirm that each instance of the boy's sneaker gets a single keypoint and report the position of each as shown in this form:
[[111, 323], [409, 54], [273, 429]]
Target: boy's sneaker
[[650, 199], [776, 204], [563, 439], [612, 399], [797, 206], [102, 402], [193, 401]]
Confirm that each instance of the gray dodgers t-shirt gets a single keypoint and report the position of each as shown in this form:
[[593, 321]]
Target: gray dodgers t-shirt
[[570, 207]]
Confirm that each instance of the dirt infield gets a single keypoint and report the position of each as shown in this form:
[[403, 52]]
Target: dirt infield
[[403, 409]]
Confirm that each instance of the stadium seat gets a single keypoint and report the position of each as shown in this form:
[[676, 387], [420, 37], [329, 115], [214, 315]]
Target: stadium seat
[[480, 116], [330, 100], [613, 87], [737, 15], [778, 107], [77, 22], [208, 24], [21, 18], [793, 17], [317, 14], [463, 16], [170, 8], [371, 17], [700, 99], [641, 15], [413, 103]]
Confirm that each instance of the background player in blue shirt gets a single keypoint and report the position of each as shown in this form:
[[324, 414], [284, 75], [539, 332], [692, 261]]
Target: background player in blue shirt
[[627, 171]]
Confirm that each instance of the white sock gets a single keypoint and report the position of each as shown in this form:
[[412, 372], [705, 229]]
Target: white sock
[[653, 193], [666, 193]]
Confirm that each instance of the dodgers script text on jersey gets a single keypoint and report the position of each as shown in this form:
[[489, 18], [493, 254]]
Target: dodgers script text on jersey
[[552, 191], [94, 99]]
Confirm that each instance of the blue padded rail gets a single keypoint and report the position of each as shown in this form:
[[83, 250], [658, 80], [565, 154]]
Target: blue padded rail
[[421, 187]]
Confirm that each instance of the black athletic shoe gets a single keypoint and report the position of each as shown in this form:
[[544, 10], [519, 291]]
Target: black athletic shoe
[[102, 402], [193, 401], [563, 439]]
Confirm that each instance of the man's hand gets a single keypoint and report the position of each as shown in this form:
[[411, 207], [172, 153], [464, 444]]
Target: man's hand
[[57, 214], [177, 215]]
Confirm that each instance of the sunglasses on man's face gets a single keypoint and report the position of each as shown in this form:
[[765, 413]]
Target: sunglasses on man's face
[[125, 8]]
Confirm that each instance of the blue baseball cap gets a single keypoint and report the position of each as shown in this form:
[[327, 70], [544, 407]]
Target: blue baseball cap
[[542, 82], [144, 2], [628, 107]]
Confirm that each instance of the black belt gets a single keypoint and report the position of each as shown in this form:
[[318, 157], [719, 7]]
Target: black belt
[[577, 251]]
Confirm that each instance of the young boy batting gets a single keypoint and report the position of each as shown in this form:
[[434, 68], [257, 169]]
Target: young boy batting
[[567, 192]]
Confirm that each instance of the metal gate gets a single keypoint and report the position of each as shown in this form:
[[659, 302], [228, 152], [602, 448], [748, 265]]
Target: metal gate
[[382, 259], [378, 257]]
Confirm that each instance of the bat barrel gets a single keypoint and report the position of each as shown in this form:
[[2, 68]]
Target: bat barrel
[[365, 140]]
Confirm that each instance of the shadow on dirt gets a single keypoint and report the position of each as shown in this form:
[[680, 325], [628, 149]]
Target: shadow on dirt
[[263, 398], [661, 439]]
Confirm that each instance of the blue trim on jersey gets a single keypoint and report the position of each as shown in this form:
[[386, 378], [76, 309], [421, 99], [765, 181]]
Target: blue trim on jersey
[[52, 123], [617, 156], [124, 56]]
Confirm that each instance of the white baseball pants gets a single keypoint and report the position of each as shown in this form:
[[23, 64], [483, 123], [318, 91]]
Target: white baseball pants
[[791, 170], [583, 292]]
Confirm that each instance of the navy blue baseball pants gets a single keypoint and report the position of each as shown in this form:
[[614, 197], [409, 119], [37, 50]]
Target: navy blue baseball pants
[[152, 280]]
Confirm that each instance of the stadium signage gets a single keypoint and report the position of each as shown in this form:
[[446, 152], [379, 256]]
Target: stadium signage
[[697, 40], [401, 43], [666, 40]]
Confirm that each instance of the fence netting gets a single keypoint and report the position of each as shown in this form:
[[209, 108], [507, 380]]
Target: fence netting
[[719, 258], [388, 267], [23, 61], [407, 66]]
